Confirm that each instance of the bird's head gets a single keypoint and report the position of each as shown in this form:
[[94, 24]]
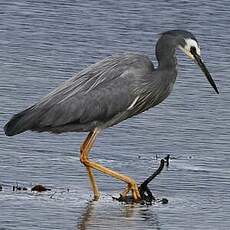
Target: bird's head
[[187, 42], [189, 45]]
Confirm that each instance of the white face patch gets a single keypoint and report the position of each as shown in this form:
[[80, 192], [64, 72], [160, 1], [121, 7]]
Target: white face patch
[[188, 44]]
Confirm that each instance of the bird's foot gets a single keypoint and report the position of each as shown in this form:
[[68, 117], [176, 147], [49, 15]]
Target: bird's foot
[[96, 196], [135, 193], [142, 194], [135, 196]]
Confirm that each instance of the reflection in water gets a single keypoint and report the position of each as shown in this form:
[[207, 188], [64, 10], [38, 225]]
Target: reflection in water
[[106, 214], [128, 210], [149, 216], [86, 216]]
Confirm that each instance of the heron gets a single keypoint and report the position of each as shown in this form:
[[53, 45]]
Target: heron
[[106, 93]]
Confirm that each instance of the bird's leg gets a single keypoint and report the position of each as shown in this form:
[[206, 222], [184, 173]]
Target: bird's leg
[[86, 144], [132, 185], [85, 149]]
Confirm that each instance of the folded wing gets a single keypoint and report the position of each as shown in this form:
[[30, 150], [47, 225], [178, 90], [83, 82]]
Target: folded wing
[[92, 97]]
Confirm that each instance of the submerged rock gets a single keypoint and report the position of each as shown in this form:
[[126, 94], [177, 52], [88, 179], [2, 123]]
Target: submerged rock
[[39, 188]]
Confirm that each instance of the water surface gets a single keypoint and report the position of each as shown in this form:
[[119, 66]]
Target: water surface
[[44, 43]]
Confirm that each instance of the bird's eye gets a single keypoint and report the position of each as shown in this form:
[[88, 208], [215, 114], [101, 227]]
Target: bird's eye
[[193, 50]]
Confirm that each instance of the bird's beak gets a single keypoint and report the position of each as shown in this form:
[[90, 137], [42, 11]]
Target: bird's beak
[[200, 63]]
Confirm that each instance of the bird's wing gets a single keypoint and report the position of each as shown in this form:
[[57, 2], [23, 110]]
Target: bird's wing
[[96, 94], [98, 104]]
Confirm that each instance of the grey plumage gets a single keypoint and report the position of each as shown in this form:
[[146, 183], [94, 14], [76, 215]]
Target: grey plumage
[[105, 93]]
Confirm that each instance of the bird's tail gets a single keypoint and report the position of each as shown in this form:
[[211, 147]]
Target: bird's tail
[[19, 123]]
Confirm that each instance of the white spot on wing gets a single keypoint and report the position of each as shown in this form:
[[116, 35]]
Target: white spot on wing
[[133, 103]]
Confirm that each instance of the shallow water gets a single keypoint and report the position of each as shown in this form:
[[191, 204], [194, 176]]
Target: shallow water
[[44, 43]]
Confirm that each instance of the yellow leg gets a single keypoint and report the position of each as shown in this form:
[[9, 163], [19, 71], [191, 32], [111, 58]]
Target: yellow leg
[[85, 149], [87, 145]]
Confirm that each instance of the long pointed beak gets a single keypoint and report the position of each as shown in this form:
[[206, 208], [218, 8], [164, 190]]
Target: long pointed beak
[[199, 61]]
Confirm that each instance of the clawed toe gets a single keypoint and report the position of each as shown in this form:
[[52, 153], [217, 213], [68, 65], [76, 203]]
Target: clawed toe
[[142, 196]]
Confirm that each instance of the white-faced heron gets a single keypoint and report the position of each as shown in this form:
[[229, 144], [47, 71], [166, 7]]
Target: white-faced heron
[[107, 93]]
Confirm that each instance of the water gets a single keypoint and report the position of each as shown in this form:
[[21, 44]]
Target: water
[[44, 43]]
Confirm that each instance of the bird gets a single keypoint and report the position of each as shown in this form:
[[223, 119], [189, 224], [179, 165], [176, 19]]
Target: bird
[[106, 93]]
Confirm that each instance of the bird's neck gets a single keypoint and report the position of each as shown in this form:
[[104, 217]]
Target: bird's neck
[[168, 62], [165, 53]]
